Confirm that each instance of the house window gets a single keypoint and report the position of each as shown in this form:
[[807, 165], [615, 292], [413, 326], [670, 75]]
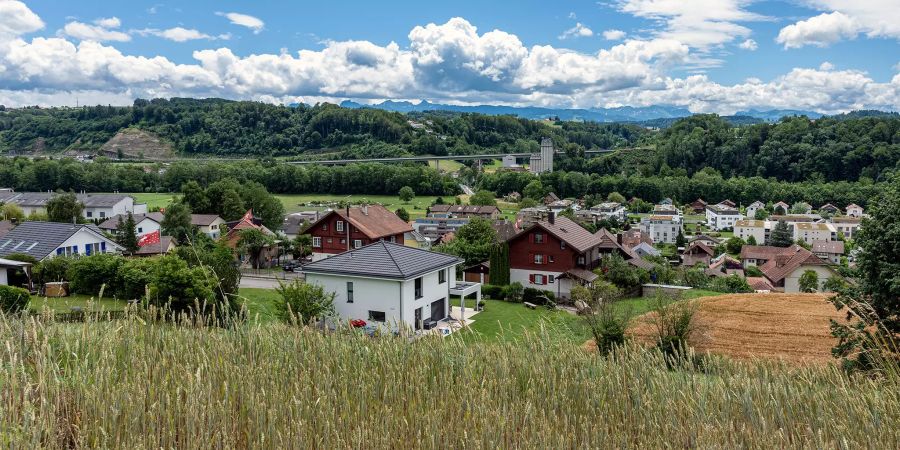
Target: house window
[[538, 279], [357, 243], [102, 214], [442, 276], [394, 239], [339, 225], [418, 284], [349, 292], [140, 229], [581, 260], [90, 249], [562, 245], [551, 279], [317, 241], [538, 259], [213, 227], [550, 258], [324, 227], [377, 316], [538, 238]]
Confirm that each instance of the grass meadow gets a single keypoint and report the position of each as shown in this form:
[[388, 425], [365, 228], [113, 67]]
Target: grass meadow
[[136, 383]]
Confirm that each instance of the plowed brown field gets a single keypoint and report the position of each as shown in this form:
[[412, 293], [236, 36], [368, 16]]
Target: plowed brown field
[[789, 327]]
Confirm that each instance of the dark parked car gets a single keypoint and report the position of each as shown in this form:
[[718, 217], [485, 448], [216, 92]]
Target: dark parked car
[[290, 266]]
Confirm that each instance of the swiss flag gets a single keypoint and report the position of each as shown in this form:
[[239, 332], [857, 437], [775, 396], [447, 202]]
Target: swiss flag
[[150, 238], [248, 216]]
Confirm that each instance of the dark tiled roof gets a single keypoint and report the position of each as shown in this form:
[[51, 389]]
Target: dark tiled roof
[[39, 199], [832, 247], [113, 222], [39, 239], [202, 220], [383, 260]]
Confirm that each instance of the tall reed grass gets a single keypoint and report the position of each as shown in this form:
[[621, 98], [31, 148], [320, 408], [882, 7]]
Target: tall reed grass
[[137, 383]]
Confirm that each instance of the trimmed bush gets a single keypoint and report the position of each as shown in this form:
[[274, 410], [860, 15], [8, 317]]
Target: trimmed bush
[[133, 278], [493, 292], [537, 296], [13, 299], [88, 274]]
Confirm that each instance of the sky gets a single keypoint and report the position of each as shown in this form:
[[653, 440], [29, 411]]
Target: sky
[[719, 56]]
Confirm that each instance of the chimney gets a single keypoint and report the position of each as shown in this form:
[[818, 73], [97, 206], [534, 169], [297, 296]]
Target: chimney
[[551, 217], [365, 209]]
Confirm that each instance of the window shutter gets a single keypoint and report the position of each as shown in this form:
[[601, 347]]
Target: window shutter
[[531, 258], [59, 251], [87, 250], [103, 246], [531, 278]]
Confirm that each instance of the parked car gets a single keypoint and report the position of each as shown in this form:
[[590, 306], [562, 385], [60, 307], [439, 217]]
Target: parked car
[[290, 266]]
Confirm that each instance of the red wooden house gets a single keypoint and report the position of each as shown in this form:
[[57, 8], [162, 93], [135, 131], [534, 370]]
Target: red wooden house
[[344, 229]]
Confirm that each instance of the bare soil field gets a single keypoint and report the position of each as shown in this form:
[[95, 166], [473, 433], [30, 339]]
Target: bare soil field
[[789, 327]]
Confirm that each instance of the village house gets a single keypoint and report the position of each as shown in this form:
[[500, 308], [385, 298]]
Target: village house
[[268, 256], [854, 210], [697, 253], [698, 206], [721, 216], [547, 250], [830, 251], [343, 229], [708, 241], [165, 245], [610, 210], [464, 211], [758, 229], [295, 223], [96, 206], [527, 217], [633, 237], [757, 255], [785, 269], [662, 228], [829, 209], [848, 226], [754, 208], [644, 250], [435, 228], [208, 224], [144, 223], [391, 285], [811, 232], [43, 240], [782, 206]]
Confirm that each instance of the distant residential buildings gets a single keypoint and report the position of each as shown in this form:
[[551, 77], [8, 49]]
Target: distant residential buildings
[[664, 225], [722, 216], [755, 207], [610, 210], [96, 206], [464, 211]]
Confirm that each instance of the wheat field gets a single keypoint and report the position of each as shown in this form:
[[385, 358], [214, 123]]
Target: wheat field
[[135, 383]]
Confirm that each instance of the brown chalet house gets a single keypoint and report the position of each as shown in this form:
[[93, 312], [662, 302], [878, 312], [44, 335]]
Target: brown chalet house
[[557, 254], [345, 229]]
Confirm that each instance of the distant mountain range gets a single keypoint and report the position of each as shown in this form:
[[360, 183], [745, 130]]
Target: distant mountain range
[[652, 115]]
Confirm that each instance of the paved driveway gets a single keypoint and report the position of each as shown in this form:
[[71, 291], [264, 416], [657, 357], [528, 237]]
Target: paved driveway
[[258, 282]]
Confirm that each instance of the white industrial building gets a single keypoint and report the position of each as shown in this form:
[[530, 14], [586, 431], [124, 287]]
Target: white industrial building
[[543, 161]]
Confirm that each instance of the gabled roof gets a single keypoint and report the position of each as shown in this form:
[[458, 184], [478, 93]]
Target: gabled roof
[[113, 222], [383, 260], [646, 248], [567, 231], [154, 249], [762, 251], [39, 199], [698, 246], [375, 221], [778, 268], [757, 204], [703, 237], [760, 284], [607, 239], [830, 247], [40, 239], [203, 220]]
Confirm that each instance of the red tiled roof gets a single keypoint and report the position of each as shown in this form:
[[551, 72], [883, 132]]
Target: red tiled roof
[[697, 245], [781, 266], [760, 284], [762, 251], [376, 222], [832, 247]]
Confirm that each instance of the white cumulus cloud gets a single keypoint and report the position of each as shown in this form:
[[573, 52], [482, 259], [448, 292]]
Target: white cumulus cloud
[[613, 35], [749, 44], [244, 20], [698, 23], [177, 34], [104, 29], [843, 19], [579, 30], [17, 19]]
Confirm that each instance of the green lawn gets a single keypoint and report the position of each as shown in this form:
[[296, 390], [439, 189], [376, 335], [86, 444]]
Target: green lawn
[[153, 199], [504, 321], [85, 302], [446, 165], [260, 303]]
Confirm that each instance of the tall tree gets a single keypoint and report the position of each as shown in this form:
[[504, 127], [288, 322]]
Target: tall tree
[[483, 198], [252, 242], [231, 206], [406, 193], [193, 195], [177, 223], [126, 234], [781, 235], [64, 208]]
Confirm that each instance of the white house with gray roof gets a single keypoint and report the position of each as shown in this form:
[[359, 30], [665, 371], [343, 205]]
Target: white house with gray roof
[[96, 206], [391, 285], [44, 240]]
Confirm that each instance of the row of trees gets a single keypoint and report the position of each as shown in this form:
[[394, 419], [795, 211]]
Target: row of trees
[[707, 184], [24, 174]]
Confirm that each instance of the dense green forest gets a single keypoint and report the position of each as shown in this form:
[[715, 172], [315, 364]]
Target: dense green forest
[[104, 176], [863, 145], [221, 127]]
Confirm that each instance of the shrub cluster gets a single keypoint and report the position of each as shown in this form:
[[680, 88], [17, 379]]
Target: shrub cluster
[[13, 299]]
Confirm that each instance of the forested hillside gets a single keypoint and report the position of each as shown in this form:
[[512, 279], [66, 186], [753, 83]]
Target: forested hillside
[[862, 144], [221, 127]]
